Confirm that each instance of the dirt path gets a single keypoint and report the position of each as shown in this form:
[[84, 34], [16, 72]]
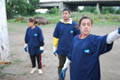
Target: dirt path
[[21, 65]]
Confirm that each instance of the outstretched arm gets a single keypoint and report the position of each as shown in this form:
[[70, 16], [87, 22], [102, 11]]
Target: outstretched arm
[[113, 36]]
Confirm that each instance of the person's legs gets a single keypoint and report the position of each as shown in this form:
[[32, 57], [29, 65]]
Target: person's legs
[[39, 63], [33, 61], [39, 58], [61, 63]]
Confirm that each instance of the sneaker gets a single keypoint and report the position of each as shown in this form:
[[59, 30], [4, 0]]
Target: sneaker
[[40, 71], [33, 70]]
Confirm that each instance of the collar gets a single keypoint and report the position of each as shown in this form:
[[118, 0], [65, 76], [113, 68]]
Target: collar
[[69, 22], [79, 36]]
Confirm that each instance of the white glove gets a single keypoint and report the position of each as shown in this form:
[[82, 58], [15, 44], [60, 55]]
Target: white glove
[[113, 36], [67, 62], [26, 48], [42, 49], [54, 51]]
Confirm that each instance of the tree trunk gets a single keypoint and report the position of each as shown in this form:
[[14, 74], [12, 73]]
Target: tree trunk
[[4, 44]]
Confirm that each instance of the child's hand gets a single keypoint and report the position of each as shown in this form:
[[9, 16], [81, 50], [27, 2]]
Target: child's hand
[[63, 73], [42, 49], [54, 51], [26, 48], [119, 30]]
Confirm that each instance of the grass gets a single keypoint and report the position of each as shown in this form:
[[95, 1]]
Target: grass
[[25, 73], [1, 68], [12, 54], [2, 74], [100, 20], [16, 27], [17, 61]]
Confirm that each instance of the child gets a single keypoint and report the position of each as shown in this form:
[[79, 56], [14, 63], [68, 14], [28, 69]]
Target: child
[[63, 35], [34, 44], [87, 48]]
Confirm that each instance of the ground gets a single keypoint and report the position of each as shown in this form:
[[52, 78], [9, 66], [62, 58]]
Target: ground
[[21, 65]]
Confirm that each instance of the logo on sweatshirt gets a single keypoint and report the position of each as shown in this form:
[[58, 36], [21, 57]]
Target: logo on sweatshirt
[[87, 51], [35, 34], [71, 31]]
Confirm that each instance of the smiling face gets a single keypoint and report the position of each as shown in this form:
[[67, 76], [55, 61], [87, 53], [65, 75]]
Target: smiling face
[[85, 26]]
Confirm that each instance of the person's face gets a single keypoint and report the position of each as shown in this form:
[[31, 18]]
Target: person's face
[[65, 15], [85, 26], [30, 24]]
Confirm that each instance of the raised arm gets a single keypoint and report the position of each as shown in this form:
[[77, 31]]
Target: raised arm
[[113, 36]]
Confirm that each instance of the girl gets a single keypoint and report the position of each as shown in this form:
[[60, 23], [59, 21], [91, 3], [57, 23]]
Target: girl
[[86, 51], [34, 44]]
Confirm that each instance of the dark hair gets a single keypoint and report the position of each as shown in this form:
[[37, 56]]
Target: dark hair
[[66, 9], [85, 17], [32, 20]]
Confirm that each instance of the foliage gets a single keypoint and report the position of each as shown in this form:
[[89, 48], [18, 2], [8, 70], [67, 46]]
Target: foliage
[[107, 19], [34, 3], [19, 7], [118, 11], [107, 10], [54, 10], [90, 9]]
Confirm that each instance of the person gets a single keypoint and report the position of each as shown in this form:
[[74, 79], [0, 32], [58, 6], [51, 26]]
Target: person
[[34, 43], [63, 36], [86, 50]]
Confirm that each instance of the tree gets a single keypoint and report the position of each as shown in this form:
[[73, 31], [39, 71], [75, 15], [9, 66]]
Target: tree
[[90, 9], [107, 10], [4, 45], [19, 7], [34, 3], [54, 10]]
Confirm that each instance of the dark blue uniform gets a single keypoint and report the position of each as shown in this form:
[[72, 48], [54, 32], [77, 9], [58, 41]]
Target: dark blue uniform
[[34, 39], [65, 33], [85, 57]]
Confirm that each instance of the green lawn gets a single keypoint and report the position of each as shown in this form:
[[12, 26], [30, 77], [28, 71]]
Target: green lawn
[[99, 20]]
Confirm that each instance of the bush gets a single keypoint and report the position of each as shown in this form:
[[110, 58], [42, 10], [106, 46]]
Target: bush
[[107, 10], [90, 9], [19, 7], [54, 10], [30, 10], [9, 11], [118, 11]]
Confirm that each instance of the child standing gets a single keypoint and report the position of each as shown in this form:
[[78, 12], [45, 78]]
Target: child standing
[[64, 33], [34, 43], [86, 50]]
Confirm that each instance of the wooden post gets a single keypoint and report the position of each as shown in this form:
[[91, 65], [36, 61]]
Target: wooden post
[[4, 44]]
